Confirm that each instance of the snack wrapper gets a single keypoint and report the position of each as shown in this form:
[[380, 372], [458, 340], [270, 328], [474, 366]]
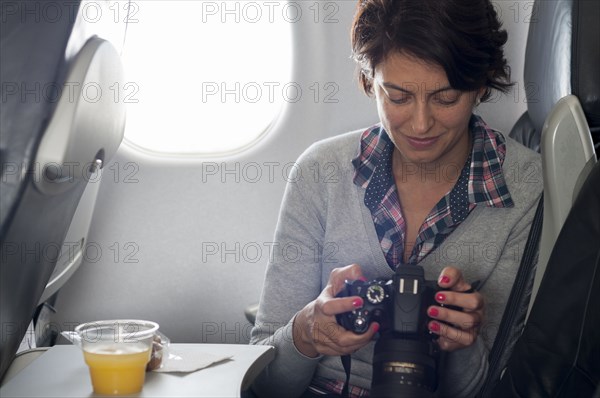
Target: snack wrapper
[[160, 352]]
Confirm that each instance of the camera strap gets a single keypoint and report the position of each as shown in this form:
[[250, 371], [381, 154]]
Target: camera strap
[[346, 363]]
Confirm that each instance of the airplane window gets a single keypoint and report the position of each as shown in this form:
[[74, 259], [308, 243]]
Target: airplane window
[[205, 77]]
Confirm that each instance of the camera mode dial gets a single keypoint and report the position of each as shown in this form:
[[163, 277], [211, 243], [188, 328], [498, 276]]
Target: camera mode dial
[[375, 294]]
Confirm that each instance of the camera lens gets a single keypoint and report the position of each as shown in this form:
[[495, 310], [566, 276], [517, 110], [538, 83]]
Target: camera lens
[[404, 368]]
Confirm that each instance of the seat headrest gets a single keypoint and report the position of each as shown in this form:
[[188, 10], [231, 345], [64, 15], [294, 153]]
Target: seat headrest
[[563, 57]]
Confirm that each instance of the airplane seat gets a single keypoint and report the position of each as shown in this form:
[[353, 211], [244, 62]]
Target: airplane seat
[[561, 66], [561, 59], [562, 120], [563, 123], [250, 313], [60, 124]]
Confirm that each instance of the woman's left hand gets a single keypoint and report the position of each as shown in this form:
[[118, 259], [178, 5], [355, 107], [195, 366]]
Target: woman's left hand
[[458, 329]]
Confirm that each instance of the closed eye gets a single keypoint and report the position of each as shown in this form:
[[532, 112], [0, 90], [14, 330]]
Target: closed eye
[[400, 100], [446, 98]]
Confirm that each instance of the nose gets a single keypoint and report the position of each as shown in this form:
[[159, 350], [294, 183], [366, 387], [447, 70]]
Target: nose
[[422, 119]]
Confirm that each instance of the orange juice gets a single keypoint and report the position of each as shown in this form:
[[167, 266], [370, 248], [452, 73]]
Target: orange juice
[[117, 369]]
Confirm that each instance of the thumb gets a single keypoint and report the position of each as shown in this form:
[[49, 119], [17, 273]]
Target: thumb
[[339, 276]]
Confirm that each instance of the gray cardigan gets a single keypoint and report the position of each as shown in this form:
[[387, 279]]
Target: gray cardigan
[[324, 224]]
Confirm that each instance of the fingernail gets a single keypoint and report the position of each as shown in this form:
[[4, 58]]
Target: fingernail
[[362, 278], [433, 312], [440, 297], [357, 302], [376, 327], [445, 279], [434, 327]]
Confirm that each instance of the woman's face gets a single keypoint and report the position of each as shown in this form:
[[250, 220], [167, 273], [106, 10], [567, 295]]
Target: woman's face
[[426, 119]]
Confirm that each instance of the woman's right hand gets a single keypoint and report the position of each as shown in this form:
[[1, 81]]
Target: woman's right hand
[[316, 331]]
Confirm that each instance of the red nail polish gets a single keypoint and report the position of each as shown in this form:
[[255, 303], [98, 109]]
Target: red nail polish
[[433, 312], [434, 327], [357, 302], [440, 297], [376, 327], [444, 279]]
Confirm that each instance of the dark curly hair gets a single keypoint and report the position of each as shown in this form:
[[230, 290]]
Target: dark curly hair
[[462, 36]]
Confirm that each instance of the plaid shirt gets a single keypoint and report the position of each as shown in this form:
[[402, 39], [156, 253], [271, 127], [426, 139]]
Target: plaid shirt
[[323, 386], [481, 181]]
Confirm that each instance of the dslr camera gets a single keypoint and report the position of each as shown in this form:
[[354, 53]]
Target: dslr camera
[[406, 356]]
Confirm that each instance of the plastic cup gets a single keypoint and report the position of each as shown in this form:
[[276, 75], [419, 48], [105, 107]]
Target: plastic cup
[[116, 353]]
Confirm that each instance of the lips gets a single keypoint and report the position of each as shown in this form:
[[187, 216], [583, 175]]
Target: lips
[[421, 143]]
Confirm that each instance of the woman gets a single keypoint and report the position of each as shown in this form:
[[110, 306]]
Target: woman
[[430, 185]]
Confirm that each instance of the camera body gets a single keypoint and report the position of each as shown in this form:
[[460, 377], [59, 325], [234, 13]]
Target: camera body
[[376, 296], [399, 304], [406, 355]]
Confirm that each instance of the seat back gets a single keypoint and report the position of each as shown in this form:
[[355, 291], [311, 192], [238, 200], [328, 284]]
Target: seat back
[[568, 156], [561, 59], [58, 129], [562, 120]]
